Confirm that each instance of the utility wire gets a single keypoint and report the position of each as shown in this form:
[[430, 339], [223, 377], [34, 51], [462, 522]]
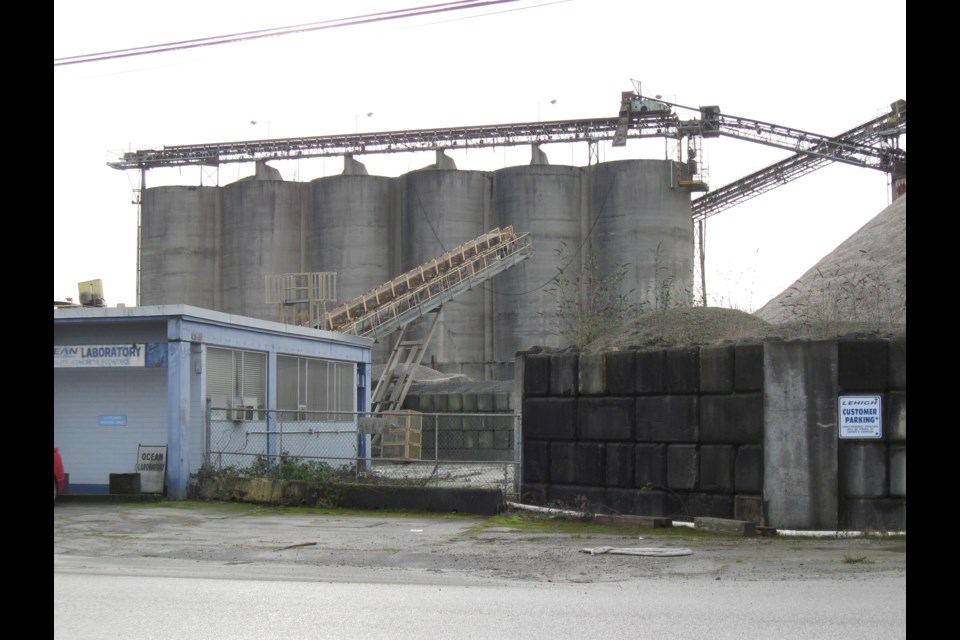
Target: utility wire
[[455, 5]]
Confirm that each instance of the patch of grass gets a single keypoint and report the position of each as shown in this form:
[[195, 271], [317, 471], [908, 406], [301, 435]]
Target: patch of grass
[[857, 560]]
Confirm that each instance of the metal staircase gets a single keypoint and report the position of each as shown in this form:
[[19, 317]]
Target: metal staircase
[[399, 303]]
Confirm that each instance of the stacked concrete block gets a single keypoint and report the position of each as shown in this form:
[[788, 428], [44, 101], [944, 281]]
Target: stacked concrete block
[[872, 482], [863, 470], [717, 465], [732, 431], [716, 369], [800, 437], [748, 368], [619, 467], [683, 466], [748, 475], [619, 373], [631, 425], [564, 376], [651, 465], [592, 373], [667, 419], [608, 419]]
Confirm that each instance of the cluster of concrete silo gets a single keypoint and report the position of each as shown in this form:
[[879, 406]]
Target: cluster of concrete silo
[[213, 246]]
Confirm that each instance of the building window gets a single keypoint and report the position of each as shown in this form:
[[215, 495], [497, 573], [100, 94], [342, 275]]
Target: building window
[[315, 390], [237, 382]]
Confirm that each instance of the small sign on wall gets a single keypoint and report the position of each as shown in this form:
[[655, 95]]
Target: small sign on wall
[[860, 417], [152, 467], [112, 420]]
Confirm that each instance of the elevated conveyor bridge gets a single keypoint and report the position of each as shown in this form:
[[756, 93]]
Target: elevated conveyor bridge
[[422, 291]]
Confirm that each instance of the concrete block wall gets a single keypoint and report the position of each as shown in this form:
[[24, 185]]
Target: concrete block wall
[[668, 432], [450, 432], [743, 431], [873, 473]]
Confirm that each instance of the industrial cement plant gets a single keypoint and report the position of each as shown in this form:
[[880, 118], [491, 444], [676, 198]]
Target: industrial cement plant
[[219, 247]]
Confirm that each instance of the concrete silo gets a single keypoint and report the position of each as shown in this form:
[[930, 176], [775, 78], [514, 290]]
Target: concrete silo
[[262, 234], [349, 232], [179, 238], [213, 247], [547, 202], [636, 217], [442, 209]]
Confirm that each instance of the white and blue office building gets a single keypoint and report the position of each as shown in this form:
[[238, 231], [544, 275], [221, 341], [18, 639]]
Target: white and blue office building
[[147, 376]]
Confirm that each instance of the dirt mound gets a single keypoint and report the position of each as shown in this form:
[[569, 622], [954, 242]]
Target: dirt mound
[[863, 280], [689, 326], [705, 326]]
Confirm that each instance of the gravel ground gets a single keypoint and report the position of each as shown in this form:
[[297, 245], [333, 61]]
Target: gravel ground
[[477, 549]]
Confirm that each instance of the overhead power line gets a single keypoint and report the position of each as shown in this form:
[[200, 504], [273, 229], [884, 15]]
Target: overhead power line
[[456, 5]]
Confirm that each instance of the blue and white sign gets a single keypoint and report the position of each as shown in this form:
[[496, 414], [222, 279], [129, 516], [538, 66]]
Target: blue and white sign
[[860, 417], [112, 420], [99, 355]]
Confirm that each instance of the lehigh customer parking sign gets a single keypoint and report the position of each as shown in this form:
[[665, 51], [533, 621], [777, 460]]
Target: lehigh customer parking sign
[[860, 417]]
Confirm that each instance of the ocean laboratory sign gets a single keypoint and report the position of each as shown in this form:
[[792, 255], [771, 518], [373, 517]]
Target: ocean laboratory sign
[[860, 417]]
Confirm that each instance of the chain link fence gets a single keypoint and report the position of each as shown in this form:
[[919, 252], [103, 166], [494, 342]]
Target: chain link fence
[[403, 448]]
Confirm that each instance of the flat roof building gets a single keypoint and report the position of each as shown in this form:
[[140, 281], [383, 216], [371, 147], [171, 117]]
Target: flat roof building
[[126, 377]]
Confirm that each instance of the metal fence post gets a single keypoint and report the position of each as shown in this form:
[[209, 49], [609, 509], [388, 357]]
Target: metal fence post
[[207, 420]]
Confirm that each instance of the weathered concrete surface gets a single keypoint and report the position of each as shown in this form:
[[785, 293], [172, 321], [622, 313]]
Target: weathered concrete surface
[[749, 469], [353, 496], [650, 372], [535, 374], [800, 435], [619, 465], [651, 468], [716, 369], [748, 508], [554, 418], [667, 419], [682, 466], [748, 367], [592, 370], [619, 372], [717, 467], [895, 425], [863, 470], [605, 418], [898, 471], [723, 525], [353, 167], [732, 419]]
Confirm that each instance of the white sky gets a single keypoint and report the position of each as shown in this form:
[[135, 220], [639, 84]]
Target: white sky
[[819, 66]]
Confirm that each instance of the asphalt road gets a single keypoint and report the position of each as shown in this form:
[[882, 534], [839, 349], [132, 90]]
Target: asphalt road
[[238, 571]]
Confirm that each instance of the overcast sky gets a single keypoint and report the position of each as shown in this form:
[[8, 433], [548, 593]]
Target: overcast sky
[[819, 66]]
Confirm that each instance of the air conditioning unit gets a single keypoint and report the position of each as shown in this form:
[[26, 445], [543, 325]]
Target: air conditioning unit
[[249, 408], [242, 409]]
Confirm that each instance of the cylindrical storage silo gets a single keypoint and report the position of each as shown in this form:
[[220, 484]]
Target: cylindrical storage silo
[[178, 246], [642, 223], [349, 233], [443, 209], [545, 201], [262, 235]]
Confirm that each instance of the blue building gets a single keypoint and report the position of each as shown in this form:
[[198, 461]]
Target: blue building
[[126, 377]]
